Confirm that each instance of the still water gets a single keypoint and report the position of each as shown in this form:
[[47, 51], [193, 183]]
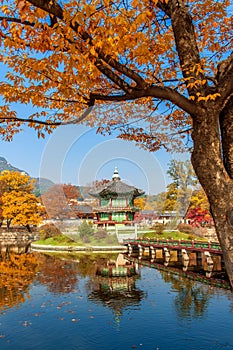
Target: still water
[[62, 302]]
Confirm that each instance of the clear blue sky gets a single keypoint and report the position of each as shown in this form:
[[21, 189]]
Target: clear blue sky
[[76, 154]]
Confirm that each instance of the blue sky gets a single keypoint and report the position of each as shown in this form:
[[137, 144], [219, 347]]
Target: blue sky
[[76, 154]]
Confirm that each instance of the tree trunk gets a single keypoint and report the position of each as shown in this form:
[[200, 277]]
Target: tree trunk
[[8, 223], [28, 228], [208, 164], [226, 125]]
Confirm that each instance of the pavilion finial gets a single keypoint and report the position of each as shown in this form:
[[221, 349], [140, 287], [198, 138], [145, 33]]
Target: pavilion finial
[[116, 175]]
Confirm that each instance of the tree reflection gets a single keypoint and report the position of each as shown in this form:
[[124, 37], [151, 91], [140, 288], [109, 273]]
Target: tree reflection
[[59, 275], [192, 298], [17, 272]]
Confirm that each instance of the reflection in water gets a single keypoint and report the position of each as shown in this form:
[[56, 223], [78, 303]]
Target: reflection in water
[[59, 275], [111, 281], [111, 278], [74, 302], [17, 272], [192, 298], [114, 285]]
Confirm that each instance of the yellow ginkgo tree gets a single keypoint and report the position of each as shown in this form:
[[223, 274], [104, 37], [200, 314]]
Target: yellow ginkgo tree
[[19, 206], [166, 62]]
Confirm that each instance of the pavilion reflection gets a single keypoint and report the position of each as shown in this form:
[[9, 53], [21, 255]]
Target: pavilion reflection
[[114, 285]]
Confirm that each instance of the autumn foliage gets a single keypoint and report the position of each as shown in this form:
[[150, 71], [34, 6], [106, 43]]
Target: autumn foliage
[[17, 272], [157, 72], [60, 201], [198, 213], [86, 53], [18, 204]]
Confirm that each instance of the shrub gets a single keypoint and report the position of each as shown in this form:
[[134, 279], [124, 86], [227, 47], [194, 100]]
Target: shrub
[[185, 228], [49, 230], [85, 229], [191, 237], [158, 228]]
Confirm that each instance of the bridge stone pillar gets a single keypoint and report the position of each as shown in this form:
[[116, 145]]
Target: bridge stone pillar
[[185, 259], [166, 256], [209, 263], [152, 253], [140, 251], [130, 249]]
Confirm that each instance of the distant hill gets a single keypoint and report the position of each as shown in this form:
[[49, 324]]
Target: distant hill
[[41, 185], [4, 165]]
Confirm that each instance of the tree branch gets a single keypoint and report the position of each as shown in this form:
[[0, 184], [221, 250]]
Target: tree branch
[[163, 93], [83, 116], [113, 77], [28, 120], [185, 39], [16, 20]]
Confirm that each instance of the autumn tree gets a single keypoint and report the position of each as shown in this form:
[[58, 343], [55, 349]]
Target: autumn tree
[[19, 206], [15, 181], [140, 202], [199, 199], [179, 190], [198, 212], [169, 62], [170, 199], [60, 201]]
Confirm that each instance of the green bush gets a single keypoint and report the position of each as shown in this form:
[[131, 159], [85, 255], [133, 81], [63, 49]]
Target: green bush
[[48, 231], [85, 229]]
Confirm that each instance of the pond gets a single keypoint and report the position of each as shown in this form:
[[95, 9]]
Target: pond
[[89, 302]]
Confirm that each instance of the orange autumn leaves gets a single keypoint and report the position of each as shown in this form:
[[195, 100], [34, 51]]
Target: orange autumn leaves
[[17, 272], [18, 204], [60, 55]]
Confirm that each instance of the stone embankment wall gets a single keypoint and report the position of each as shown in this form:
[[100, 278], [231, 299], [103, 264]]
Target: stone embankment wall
[[18, 241]]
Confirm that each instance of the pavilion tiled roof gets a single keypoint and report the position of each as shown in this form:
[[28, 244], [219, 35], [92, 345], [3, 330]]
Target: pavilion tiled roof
[[115, 188]]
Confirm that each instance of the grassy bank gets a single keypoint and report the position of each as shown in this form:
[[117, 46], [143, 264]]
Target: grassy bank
[[76, 241], [110, 240]]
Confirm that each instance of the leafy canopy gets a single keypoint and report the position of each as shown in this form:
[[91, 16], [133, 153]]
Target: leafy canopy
[[65, 57], [18, 205]]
